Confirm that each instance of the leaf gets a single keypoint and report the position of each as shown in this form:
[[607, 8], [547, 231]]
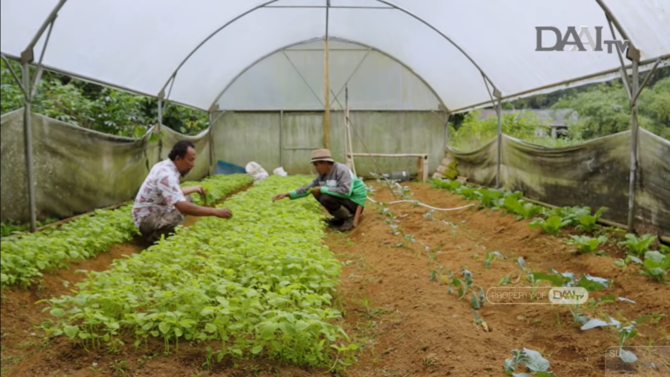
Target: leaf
[[474, 301], [257, 349], [207, 311], [535, 361], [267, 330], [556, 280], [593, 323], [57, 312], [70, 331], [592, 283], [164, 327], [627, 356], [521, 262]]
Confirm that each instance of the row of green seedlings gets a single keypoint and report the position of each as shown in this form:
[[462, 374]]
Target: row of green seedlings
[[11, 227], [533, 360], [462, 286], [25, 257], [257, 284], [624, 331], [655, 264]]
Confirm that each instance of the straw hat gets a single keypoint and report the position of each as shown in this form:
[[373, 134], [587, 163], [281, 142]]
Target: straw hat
[[321, 155]]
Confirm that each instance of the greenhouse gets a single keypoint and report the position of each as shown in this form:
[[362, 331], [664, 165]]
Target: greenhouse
[[469, 227]]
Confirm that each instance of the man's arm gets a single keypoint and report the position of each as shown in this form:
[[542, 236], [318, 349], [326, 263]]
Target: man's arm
[[344, 185], [304, 190], [174, 196], [191, 209], [191, 189]]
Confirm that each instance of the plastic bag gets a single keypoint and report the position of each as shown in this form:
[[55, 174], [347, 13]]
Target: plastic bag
[[256, 170], [280, 171]]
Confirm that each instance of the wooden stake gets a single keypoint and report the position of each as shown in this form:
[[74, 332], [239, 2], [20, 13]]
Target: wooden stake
[[326, 74]]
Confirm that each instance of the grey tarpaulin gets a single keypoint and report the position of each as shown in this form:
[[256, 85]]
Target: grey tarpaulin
[[78, 170], [595, 173]]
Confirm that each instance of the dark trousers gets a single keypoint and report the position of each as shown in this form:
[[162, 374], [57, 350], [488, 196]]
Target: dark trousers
[[332, 203]]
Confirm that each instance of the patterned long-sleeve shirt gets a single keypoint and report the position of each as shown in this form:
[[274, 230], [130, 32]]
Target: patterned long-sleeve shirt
[[159, 192]]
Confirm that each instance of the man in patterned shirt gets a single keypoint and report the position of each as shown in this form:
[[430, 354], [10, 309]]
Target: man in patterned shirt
[[161, 202]]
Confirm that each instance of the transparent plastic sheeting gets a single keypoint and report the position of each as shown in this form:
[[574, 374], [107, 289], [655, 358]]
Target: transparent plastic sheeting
[[293, 79], [78, 170], [139, 45], [594, 174]]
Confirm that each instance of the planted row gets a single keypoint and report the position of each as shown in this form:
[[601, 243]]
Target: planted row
[[24, 257], [258, 283], [218, 186], [656, 265]]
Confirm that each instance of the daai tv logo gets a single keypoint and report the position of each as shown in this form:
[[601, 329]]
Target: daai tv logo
[[576, 39], [568, 295]]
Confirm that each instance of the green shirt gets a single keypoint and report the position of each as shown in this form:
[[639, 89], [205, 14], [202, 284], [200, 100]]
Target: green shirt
[[339, 182]]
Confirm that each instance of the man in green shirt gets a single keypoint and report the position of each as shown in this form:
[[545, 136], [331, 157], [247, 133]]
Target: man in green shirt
[[335, 187]]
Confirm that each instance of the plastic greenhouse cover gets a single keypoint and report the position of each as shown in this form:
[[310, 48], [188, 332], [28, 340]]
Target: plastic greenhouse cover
[[140, 45]]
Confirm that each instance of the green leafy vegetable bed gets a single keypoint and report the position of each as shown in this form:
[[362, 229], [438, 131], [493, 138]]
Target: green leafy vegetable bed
[[258, 283], [24, 257], [218, 186]]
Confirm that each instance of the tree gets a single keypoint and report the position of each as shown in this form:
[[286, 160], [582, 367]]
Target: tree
[[96, 107]]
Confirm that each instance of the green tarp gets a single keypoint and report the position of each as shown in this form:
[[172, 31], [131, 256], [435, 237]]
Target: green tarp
[[77, 170], [594, 174]]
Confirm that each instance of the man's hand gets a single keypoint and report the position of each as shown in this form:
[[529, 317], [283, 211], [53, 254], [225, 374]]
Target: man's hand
[[223, 213], [190, 190], [316, 191], [279, 197]]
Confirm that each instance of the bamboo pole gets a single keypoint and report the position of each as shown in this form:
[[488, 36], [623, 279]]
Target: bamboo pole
[[326, 114]]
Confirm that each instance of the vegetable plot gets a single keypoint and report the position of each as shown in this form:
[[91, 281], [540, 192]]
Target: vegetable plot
[[656, 264], [218, 186], [25, 257], [258, 283]]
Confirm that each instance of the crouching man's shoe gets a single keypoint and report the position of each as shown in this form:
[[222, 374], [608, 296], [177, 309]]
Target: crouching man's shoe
[[346, 217]]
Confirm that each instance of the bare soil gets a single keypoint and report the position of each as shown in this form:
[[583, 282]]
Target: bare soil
[[406, 323]]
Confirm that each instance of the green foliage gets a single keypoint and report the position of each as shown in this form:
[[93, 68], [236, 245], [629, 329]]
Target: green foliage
[[532, 360], [522, 208], [474, 133], [638, 245], [579, 217], [603, 110], [587, 244], [25, 256], [259, 283], [218, 186], [11, 96], [656, 265], [451, 172], [10, 227], [95, 107], [551, 225]]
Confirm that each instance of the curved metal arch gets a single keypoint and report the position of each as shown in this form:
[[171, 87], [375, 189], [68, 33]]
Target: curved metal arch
[[337, 39], [397, 7], [215, 32], [614, 19], [416, 17]]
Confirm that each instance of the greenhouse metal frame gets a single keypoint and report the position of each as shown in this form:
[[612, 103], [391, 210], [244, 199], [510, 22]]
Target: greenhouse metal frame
[[110, 43]]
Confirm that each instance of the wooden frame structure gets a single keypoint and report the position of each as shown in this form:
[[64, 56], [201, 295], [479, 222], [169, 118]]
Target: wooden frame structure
[[421, 164]]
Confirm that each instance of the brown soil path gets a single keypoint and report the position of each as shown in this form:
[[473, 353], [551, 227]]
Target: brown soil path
[[406, 324]]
